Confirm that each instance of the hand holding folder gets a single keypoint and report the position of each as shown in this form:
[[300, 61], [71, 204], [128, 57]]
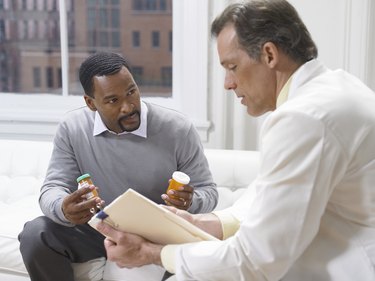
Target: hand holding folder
[[132, 212]]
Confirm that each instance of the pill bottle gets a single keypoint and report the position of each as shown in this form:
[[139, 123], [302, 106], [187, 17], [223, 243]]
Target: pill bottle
[[178, 179], [85, 181]]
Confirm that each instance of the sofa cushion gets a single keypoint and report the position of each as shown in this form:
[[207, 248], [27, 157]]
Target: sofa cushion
[[148, 272], [22, 169], [14, 216]]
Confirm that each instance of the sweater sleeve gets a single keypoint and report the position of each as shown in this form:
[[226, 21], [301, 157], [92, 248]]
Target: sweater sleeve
[[60, 178], [192, 161]]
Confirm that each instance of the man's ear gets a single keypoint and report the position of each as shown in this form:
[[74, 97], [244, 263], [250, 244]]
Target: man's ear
[[90, 102], [270, 54]]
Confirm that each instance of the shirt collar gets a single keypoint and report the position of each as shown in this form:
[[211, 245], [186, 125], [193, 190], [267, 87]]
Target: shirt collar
[[283, 96], [100, 127]]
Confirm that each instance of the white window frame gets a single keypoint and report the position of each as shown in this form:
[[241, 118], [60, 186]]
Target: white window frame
[[36, 116]]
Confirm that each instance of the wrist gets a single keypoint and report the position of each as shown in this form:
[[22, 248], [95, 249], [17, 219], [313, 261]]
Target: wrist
[[153, 252], [210, 223]]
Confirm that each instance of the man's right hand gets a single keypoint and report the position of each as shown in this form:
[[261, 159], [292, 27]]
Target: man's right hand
[[208, 222], [76, 207]]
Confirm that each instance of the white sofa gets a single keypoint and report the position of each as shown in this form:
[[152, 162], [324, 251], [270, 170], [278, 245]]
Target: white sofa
[[22, 168]]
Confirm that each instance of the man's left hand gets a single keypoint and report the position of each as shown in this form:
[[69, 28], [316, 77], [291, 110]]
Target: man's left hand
[[129, 250], [181, 198]]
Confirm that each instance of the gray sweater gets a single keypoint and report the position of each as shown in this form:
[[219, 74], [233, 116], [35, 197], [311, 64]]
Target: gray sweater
[[119, 162]]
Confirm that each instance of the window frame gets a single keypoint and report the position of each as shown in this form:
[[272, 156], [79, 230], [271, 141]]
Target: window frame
[[37, 116]]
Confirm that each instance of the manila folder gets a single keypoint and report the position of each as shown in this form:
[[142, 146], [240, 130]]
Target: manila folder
[[132, 212]]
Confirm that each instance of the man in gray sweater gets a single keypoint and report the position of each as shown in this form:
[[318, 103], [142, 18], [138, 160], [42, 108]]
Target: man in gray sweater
[[122, 142]]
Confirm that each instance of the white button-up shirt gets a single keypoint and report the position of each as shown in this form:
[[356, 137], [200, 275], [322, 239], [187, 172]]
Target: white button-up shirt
[[310, 214]]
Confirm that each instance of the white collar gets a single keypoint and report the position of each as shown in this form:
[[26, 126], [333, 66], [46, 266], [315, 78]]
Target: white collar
[[100, 127]]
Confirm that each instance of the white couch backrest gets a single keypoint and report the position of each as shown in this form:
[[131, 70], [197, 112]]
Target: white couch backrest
[[23, 166], [233, 169]]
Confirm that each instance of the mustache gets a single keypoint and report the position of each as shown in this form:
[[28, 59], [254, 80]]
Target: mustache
[[124, 117]]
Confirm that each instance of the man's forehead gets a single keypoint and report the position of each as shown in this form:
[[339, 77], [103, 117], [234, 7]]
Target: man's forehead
[[228, 33], [227, 43]]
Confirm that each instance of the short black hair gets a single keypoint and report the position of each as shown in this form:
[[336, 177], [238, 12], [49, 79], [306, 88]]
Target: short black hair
[[99, 64]]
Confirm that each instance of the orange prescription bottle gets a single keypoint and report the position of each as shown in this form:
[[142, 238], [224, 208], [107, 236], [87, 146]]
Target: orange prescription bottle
[[85, 181], [178, 179]]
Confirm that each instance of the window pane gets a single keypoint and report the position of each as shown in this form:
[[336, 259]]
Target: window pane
[[155, 39], [125, 27], [136, 39], [37, 77], [49, 77], [30, 52], [115, 18], [29, 40], [166, 74], [138, 74], [163, 5]]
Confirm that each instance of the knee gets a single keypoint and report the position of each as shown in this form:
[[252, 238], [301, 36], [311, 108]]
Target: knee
[[33, 231]]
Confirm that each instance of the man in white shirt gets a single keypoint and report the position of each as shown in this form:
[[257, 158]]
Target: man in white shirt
[[310, 213]]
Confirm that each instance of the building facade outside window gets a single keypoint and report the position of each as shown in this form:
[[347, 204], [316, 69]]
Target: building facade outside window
[[30, 37]]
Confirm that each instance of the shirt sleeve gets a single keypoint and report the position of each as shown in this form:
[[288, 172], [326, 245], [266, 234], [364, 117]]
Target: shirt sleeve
[[168, 257], [229, 223], [301, 161]]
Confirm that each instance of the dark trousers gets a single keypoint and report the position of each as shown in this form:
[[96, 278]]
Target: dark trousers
[[48, 248], [166, 276]]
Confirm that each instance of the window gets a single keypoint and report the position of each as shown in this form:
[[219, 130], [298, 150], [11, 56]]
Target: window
[[170, 41], [49, 77], [136, 39], [155, 39], [138, 74], [150, 5], [103, 23], [163, 5], [166, 76], [137, 5], [37, 77], [115, 18], [2, 30], [19, 56], [116, 39], [59, 77]]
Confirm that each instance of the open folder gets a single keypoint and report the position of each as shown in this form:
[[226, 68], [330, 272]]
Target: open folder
[[132, 212]]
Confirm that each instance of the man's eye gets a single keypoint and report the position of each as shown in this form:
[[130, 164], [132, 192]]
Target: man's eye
[[232, 67], [131, 92], [112, 100]]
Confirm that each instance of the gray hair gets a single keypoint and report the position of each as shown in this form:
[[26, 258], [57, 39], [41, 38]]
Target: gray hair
[[259, 21]]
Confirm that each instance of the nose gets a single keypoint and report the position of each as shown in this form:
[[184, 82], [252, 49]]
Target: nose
[[127, 107], [229, 83]]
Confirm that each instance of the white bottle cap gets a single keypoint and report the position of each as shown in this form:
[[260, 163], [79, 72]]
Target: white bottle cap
[[181, 177]]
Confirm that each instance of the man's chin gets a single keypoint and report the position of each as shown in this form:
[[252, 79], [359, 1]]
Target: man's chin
[[129, 125], [129, 128]]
